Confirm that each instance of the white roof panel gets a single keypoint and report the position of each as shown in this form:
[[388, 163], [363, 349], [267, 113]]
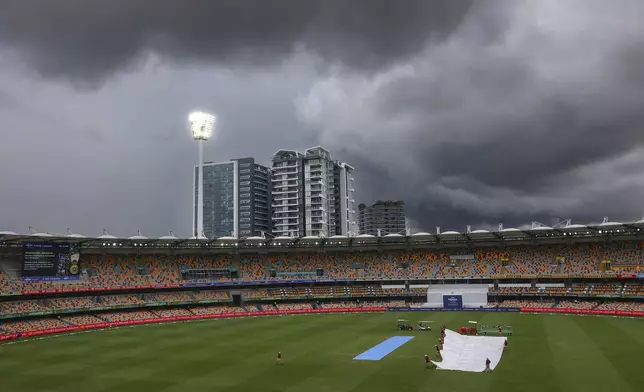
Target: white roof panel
[[541, 228], [575, 227], [605, 224]]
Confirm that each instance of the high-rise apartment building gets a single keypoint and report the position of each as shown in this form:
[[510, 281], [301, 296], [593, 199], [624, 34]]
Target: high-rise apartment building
[[313, 195], [383, 217], [236, 198]]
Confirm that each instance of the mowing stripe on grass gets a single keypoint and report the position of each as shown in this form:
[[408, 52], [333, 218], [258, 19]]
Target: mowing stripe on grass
[[385, 348]]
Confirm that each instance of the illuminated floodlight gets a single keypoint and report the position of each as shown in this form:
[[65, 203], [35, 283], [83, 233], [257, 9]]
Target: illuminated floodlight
[[202, 125]]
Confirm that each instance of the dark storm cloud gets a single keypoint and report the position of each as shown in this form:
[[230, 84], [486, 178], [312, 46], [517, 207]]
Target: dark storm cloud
[[91, 39], [533, 117], [55, 174], [472, 112]]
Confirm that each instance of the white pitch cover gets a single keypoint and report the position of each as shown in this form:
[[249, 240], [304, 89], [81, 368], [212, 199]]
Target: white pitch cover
[[468, 353]]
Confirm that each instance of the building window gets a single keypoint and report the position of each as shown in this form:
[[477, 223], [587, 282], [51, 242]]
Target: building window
[[244, 164], [245, 189], [245, 171], [244, 183]]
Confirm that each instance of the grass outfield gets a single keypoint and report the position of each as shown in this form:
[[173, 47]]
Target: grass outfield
[[547, 353]]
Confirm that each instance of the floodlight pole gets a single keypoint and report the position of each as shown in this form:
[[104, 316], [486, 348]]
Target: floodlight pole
[[201, 126], [199, 232]]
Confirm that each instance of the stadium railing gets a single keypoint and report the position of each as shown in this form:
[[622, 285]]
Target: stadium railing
[[584, 311], [237, 283]]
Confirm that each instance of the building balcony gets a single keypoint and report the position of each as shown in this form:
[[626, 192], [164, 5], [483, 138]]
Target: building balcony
[[284, 165], [281, 208], [283, 219], [287, 229], [288, 205], [280, 198], [284, 170], [284, 224], [261, 183], [278, 180], [283, 191]]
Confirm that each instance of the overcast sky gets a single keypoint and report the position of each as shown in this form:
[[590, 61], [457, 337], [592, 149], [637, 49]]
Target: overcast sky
[[473, 112]]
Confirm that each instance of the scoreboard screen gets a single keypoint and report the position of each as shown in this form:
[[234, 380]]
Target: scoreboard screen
[[50, 262]]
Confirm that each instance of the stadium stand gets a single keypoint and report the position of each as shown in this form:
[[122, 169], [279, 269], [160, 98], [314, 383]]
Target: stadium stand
[[220, 309], [22, 326], [166, 313], [126, 315], [298, 306], [624, 306], [527, 304], [70, 303], [589, 276], [577, 304], [19, 307], [85, 319], [113, 271], [112, 300]]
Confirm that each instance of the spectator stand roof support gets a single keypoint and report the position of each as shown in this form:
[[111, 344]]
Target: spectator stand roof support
[[537, 233]]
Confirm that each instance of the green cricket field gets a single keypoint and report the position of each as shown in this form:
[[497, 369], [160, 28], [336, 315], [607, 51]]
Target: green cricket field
[[547, 353]]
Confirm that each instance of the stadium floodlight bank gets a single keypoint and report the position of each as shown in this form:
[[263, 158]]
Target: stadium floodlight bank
[[202, 126]]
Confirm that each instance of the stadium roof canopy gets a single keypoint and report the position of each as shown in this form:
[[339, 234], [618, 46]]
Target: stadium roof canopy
[[535, 234]]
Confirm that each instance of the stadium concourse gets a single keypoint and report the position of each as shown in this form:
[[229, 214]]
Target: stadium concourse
[[136, 280]]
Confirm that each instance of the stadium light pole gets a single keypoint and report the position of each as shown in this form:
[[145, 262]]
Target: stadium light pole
[[202, 126]]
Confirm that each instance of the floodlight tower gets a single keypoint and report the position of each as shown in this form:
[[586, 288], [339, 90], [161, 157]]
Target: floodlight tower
[[202, 126]]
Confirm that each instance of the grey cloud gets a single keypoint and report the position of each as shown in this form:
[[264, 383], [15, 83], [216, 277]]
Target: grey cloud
[[89, 40], [55, 174], [476, 113], [501, 126]]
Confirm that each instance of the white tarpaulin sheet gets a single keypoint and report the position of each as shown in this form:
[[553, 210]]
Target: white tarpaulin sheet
[[468, 353]]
